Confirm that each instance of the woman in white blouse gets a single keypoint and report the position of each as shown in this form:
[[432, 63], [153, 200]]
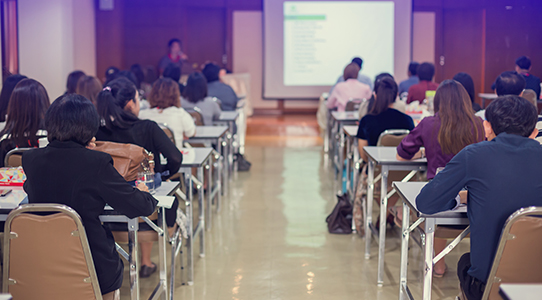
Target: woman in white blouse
[[165, 102]]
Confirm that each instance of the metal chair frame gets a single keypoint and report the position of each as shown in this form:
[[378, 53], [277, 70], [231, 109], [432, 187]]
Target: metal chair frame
[[58, 208], [16, 151], [165, 127], [505, 237]]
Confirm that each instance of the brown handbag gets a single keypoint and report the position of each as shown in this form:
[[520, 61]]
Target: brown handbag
[[128, 159]]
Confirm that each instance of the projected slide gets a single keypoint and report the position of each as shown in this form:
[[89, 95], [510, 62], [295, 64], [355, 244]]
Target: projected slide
[[321, 37]]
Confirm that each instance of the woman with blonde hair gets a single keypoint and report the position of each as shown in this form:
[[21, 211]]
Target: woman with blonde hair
[[165, 101]]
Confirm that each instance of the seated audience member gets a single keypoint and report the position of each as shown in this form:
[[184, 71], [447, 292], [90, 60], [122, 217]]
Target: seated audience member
[[501, 175], [89, 87], [173, 71], [523, 67], [468, 84], [443, 135], [412, 78], [68, 172], [382, 116], [118, 107], [508, 83], [195, 98], [165, 101], [137, 69], [426, 71], [25, 121], [111, 74], [73, 79], [130, 76], [349, 89], [175, 56], [218, 89], [7, 89], [530, 95], [361, 78]]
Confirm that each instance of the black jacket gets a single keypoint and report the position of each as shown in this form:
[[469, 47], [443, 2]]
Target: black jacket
[[68, 173]]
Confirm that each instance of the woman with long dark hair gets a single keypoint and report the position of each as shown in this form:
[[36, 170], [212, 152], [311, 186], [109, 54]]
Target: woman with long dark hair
[[381, 115], [25, 121], [7, 89], [73, 80], [118, 107], [453, 127], [195, 98]]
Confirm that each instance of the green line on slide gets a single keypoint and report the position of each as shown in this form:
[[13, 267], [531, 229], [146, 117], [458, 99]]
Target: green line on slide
[[306, 17]]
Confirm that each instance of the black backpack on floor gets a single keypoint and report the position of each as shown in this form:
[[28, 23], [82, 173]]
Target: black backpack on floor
[[340, 219]]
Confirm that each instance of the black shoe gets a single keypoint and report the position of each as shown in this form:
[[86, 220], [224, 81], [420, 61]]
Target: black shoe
[[147, 271]]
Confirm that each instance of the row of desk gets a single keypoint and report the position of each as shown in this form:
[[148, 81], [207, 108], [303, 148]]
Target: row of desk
[[222, 139]]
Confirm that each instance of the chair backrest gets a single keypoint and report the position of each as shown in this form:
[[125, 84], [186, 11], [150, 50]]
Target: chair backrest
[[168, 131], [14, 158], [353, 104], [392, 137], [198, 119], [218, 101], [518, 258], [47, 256]]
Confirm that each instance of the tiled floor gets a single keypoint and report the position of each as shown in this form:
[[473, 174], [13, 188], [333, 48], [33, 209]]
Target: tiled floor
[[270, 241]]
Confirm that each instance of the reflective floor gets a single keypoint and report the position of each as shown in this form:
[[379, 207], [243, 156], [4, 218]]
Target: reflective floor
[[270, 241]]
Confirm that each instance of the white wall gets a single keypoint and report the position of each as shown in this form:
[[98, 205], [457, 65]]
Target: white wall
[[248, 53], [423, 37], [55, 38]]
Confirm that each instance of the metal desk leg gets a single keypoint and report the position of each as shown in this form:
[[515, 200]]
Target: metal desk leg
[[382, 231], [369, 208], [327, 132], [349, 168], [209, 203], [428, 258], [201, 204], [162, 251], [225, 155], [190, 229], [133, 227], [404, 251], [219, 161], [341, 160]]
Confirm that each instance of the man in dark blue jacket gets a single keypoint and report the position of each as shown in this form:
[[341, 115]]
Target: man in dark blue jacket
[[501, 175]]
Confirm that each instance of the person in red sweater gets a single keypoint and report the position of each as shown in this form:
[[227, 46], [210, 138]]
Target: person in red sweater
[[426, 71]]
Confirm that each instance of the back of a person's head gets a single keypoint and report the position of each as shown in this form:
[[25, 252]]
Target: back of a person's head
[[73, 79], [379, 77], [130, 76], [530, 95], [513, 115], [196, 88], [358, 61], [137, 69], [172, 71], [426, 71], [523, 63], [509, 83], [173, 41], [211, 72], [351, 71], [26, 110], [413, 68], [467, 83], [165, 93], [89, 87], [150, 74], [72, 117], [7, 89], [111, 74], [454, 108], [386, 93], [113, 99]]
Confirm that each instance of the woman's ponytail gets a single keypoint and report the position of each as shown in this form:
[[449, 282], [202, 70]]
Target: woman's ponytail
[[111, 101]]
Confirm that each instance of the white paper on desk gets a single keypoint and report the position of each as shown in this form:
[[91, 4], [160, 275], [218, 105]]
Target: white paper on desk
[[165, 201], [12, 199], [189, 155]]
